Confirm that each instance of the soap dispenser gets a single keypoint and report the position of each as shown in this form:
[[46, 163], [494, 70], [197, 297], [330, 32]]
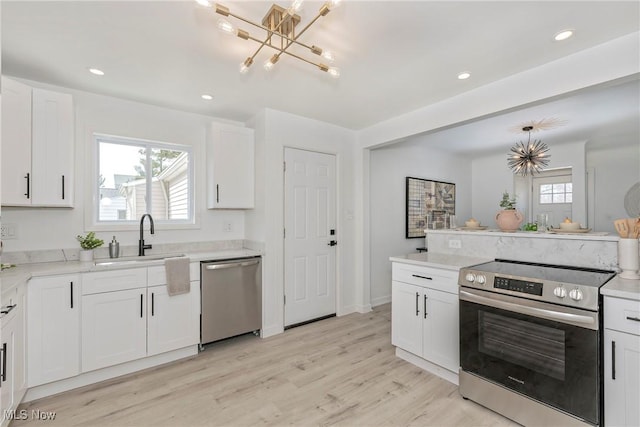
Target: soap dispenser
[[114, 248]]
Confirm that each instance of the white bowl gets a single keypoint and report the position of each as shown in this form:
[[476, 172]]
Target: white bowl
[[571, 226], [472, 224]]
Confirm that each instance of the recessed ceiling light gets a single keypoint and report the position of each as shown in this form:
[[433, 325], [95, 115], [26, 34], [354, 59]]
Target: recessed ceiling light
[[563, 35], [207, 97], [464, 75], [96, 71]]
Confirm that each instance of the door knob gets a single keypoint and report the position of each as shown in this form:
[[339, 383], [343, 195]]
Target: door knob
[[333, 243]]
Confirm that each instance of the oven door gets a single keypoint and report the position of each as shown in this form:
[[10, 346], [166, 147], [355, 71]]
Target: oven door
[[547, 352]]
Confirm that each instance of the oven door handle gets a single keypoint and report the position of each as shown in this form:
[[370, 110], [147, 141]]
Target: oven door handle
[[570, 318]]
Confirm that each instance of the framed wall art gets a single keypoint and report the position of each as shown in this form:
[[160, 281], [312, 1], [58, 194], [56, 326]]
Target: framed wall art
[[429, 203]]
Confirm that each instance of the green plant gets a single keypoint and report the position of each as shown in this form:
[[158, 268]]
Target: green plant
[[90, 241], [507, 202]]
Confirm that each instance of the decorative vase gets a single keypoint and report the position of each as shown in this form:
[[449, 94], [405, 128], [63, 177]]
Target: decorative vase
[[509, 220], [86, 255]]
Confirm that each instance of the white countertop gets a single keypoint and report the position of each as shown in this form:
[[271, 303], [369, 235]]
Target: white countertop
[[531, 234], [622, 288], [438, 260], [12, 277]]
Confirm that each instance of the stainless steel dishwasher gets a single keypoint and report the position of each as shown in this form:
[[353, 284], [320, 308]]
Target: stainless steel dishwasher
[[231, 298]]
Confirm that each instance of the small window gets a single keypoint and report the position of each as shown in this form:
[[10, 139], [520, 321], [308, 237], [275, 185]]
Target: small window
[[556, 193], [137, 177]]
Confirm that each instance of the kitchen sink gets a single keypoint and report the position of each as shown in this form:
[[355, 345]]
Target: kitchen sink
[[135, 259]]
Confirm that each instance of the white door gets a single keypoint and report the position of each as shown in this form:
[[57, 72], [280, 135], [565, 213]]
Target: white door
[[407, 305], [171, 323], [310, 217], [441, 332]]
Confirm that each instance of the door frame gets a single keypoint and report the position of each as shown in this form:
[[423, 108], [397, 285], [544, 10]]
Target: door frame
[[339, 226]]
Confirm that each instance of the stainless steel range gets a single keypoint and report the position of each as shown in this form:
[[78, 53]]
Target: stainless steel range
[[530, 339]]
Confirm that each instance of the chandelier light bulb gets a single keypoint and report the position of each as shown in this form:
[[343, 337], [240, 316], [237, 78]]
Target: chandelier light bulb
[[226, 26], [296, 5], [334, 72], [243, 69], [334, 3], [328, 55], [204, 3]]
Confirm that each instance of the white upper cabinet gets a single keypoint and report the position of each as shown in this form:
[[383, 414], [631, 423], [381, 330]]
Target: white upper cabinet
[[52, 148], [230, 167], [38, 146], [16, 143]]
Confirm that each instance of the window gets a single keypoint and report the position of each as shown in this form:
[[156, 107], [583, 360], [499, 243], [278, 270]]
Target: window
[[137, 177], [556, 193]]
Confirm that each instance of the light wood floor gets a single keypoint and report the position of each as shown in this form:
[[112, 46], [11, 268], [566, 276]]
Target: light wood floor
[[338, 371]]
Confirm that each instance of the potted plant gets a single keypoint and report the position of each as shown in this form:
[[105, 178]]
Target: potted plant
[[508, 219], [88, 243]]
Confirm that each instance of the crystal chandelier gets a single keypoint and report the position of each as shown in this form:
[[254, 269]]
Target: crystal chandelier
[[527, 159], [280, 27]]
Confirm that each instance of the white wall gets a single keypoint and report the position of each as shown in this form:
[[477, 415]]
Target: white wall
[[50, 228], [276, 130], [492, 176], [616, 169], [389, 167]]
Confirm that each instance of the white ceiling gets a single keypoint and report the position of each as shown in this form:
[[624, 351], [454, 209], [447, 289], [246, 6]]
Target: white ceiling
[[394, 57]]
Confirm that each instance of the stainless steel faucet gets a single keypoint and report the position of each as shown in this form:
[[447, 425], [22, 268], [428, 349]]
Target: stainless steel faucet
[[141, 245]]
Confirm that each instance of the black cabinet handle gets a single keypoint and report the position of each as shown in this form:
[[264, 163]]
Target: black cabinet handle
[[141, 302], [71, 292], [217, 193], [425, 306], [152, 304], [62, 187], [4, 362], [635, 319], [613, 360], [417, 309], [422, 277], [28, 178]]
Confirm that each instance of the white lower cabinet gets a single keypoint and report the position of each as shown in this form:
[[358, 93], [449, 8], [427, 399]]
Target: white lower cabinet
[[621, 362], [128, 315], [53, 328], [114, 328], [173, 321], [424, 314]]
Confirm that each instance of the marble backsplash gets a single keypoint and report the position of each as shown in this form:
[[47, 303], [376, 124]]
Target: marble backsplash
[[56, 255], [595, 252]]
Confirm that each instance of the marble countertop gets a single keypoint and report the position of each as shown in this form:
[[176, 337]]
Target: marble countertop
[[438, 260], [13, 277], [531, 234], [622, 288]]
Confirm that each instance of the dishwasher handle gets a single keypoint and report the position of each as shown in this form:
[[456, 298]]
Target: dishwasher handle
[[231, 265]]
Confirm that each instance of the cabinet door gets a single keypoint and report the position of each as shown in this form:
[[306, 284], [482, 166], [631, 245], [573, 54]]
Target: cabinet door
[[230, 167], [20, 359], [440, 343], [114, 328], [621, 378], [7, 371], [53, 328], [16, 139], [406, 317], [52, 145], [173, 320]]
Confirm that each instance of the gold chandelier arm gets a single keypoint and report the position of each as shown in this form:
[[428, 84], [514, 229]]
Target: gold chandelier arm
[[323, 11], [272, 32], [281, 51]]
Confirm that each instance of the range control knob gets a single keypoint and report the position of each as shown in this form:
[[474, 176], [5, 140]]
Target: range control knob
[[575, 294], [470, 277], [480, 279], [560, 292]]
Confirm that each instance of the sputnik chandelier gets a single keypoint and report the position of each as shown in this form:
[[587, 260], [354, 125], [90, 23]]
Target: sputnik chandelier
[[280, 27], [527, 159]]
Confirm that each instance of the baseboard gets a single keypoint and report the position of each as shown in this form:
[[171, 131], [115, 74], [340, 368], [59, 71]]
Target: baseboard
[[381, 300], [443, 373], [99, 375]]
